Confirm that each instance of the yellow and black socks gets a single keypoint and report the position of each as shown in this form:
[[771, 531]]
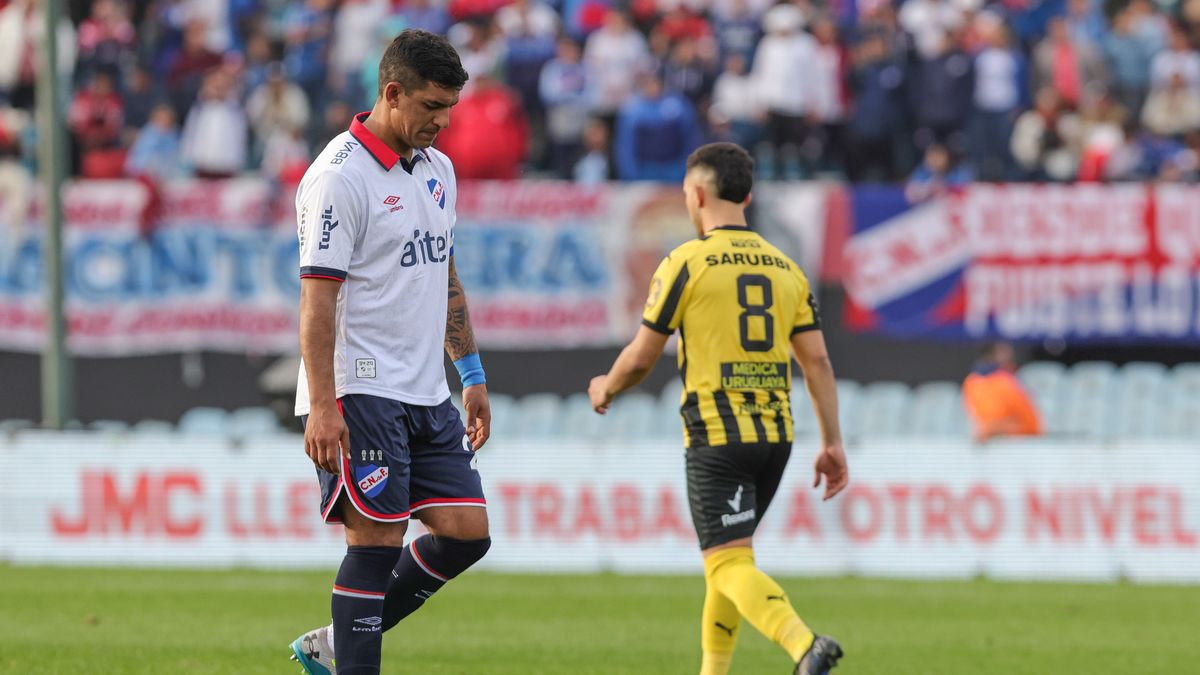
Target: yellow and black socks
[[718, 632], [426, 565], [357, 607], [731, 572]]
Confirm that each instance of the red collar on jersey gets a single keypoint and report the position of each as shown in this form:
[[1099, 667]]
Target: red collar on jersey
[[378, 149]]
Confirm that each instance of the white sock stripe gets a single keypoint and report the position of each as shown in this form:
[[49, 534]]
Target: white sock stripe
[[427, 505], [421, 563]]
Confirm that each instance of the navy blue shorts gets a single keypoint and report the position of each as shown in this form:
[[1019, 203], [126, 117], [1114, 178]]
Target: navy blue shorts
[[403, 458]]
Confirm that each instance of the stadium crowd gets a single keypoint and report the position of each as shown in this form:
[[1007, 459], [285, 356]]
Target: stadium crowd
[[936, 91]]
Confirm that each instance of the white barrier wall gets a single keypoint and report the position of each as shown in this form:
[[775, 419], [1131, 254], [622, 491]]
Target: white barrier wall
[[1028, 511]]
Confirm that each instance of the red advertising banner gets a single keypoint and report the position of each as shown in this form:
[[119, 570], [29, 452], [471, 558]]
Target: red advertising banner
[[1021, 510]]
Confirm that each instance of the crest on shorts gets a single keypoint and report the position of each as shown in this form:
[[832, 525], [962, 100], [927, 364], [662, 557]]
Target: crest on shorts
[[371, 479]]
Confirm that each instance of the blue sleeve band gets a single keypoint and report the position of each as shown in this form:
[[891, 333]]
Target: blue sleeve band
[[470, 370]]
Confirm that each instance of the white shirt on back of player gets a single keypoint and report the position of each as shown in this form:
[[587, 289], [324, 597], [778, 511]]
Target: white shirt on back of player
[[388, 235]]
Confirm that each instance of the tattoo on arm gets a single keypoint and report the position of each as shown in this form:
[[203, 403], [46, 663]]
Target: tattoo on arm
[[460, 339]]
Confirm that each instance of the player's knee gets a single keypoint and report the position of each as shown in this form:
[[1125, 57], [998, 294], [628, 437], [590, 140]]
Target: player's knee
[[456, 555], [472, 551]]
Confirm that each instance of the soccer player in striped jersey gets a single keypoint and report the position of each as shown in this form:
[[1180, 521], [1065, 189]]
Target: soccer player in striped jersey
[[742, 308]]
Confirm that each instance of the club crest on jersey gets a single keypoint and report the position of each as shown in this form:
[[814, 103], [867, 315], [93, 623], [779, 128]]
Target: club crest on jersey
[[438, 191], [371, 479]]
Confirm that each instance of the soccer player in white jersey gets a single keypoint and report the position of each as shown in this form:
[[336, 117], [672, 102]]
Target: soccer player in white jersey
[[379, 302]]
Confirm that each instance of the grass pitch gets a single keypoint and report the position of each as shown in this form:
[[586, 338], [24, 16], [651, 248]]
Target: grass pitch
[[76, 621]]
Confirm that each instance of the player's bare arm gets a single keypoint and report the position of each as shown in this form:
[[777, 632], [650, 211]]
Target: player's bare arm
[[460, 343], [811, 354], [326, 437], [631, 367]]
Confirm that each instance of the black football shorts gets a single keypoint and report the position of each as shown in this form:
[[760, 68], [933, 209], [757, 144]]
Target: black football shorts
[[731, 486]]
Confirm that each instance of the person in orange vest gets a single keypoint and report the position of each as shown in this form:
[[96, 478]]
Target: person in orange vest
[[994, 398]]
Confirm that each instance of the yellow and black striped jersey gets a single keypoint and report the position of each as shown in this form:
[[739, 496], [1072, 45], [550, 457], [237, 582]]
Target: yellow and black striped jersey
[[736, 301]]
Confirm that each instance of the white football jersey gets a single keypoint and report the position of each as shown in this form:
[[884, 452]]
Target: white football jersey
[[385, 229]]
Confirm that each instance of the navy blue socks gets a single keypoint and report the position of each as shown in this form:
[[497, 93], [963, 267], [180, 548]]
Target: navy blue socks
[[357, 607], [426, 565]]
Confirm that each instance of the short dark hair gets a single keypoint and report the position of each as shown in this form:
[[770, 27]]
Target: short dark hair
[[417, 57], [732, 166]]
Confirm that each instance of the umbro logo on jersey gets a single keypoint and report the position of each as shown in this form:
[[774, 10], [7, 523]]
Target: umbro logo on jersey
[[438, 191], [327, 226], [394, 202]]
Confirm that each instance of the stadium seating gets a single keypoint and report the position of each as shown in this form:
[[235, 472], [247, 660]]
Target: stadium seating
[[152, 428], [848, 407], [246, 423], [1044, 381], [109, 426], [668, 399], [204, 422], [539, 416], [578, 418], [885, 411], [1184, 398], [1093, 401], [636, 416], [1140, 404], [937, 411], [1087, 403], [504, 415], [15, 425], [804, 420]]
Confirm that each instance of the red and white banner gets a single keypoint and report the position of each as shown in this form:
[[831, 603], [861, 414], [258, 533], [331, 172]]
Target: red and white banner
[[1022, 511], [1099, 263], [212, 265]]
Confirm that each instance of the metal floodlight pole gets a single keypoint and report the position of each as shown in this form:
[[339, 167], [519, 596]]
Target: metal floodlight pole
[[56, 367]]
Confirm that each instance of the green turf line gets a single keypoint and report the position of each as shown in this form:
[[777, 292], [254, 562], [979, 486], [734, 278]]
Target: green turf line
[[74, 621]]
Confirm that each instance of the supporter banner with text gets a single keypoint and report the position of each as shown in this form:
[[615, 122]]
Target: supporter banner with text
[[1028, 262], [212, 265], [1022, 511]]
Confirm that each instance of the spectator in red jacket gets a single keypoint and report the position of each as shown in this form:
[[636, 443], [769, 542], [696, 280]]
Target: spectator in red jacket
[[96, 115], [189, 68], [488, 137], [681, 22]]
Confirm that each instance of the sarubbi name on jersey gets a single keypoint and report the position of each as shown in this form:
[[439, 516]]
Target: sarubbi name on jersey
[[747, 259]]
